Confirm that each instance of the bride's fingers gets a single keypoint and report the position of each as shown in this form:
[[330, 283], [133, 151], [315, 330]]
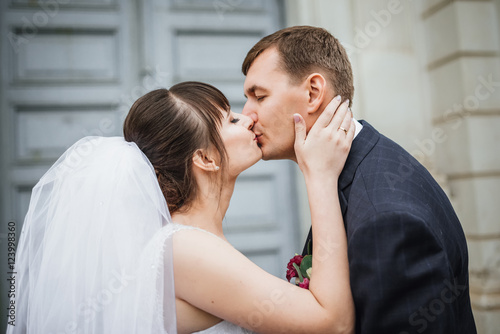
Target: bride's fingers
[[339, 116], [300, 130], [346, 121], [326, 116]]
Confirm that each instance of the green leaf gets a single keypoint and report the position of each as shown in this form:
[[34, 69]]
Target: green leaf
[[306, 264], [301, 278]]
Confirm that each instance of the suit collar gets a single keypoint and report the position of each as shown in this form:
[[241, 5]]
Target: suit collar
[[361, 146]]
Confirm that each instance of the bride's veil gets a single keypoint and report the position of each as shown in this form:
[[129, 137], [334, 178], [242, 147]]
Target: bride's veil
[[91, 256]]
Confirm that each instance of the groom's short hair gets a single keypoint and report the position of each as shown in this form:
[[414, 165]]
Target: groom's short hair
[[304, 50]]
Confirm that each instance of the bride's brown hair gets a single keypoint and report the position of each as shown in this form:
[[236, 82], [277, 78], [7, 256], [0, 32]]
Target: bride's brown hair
[[169, 126]]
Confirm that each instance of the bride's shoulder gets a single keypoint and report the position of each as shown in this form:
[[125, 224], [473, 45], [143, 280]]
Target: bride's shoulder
[[195, 236], [193, 241], [197, 248], [177, 229]]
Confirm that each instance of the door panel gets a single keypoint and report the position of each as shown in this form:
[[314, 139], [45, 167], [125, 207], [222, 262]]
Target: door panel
[[43, 134], [59, 56]]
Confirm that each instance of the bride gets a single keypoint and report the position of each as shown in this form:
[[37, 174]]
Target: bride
[[124, 235]]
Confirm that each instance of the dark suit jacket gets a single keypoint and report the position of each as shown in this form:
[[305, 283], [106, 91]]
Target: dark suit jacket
[[407, 251]]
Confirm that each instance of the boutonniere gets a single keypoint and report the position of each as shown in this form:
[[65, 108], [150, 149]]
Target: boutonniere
[[300, 267]]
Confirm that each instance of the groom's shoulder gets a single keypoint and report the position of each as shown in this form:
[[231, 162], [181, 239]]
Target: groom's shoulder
[[384, 154], [382, 145], [389, 169]]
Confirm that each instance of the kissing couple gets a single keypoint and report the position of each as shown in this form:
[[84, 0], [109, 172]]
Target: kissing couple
[[124, 234]]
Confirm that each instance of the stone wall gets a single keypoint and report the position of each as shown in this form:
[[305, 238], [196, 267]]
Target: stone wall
[[463, 60], [427, 74]]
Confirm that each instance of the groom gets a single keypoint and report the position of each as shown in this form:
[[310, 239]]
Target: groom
[[407, 251]]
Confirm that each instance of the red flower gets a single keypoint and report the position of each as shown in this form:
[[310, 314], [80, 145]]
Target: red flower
[[291, 272], [305, 283]]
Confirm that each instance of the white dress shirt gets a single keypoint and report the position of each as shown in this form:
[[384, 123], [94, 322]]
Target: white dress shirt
[[358, 125]]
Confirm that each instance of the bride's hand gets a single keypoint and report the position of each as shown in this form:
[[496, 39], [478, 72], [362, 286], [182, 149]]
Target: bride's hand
[[324, 150]]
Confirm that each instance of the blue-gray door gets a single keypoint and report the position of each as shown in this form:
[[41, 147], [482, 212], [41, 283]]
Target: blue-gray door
[[72, 68]]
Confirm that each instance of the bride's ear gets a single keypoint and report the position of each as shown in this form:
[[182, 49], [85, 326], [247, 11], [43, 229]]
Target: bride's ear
[[205, 161], [316, 85]]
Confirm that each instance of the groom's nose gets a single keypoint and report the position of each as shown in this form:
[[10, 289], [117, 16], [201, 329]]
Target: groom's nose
[[247, 122], [250, 112]]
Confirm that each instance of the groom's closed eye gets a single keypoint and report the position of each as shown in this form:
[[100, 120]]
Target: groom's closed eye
[[255, 90]]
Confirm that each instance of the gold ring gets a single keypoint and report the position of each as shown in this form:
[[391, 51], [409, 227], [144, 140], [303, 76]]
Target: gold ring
[[341, 128]]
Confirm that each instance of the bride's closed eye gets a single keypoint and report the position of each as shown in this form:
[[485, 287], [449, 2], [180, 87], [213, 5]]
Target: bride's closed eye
[[235, 120]]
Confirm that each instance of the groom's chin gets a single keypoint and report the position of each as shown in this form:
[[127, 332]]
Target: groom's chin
[[272, 152], [265, 156], [268, 156]]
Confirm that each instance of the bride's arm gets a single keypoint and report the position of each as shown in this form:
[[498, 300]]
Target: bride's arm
[[211, 275], [321, 157]]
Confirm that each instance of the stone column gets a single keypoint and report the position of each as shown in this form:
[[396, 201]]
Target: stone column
[[463, 63]]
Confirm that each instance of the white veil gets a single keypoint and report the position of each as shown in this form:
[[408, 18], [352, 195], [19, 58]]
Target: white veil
[[90, 259]]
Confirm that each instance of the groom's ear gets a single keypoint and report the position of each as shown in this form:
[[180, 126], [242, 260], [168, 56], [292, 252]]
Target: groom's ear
[[316, 86], [205, 161]]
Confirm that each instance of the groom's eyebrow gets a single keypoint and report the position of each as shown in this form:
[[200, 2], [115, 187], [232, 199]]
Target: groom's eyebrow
[[252, 90]]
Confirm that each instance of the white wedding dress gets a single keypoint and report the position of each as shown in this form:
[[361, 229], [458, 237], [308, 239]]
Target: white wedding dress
[[95, 252], [225, 327]]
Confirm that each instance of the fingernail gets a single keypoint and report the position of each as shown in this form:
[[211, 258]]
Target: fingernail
[[338, 98], [296, 118], [347, 101]]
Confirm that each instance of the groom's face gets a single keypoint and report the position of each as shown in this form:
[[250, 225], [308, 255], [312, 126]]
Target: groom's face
[[271, 102]]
